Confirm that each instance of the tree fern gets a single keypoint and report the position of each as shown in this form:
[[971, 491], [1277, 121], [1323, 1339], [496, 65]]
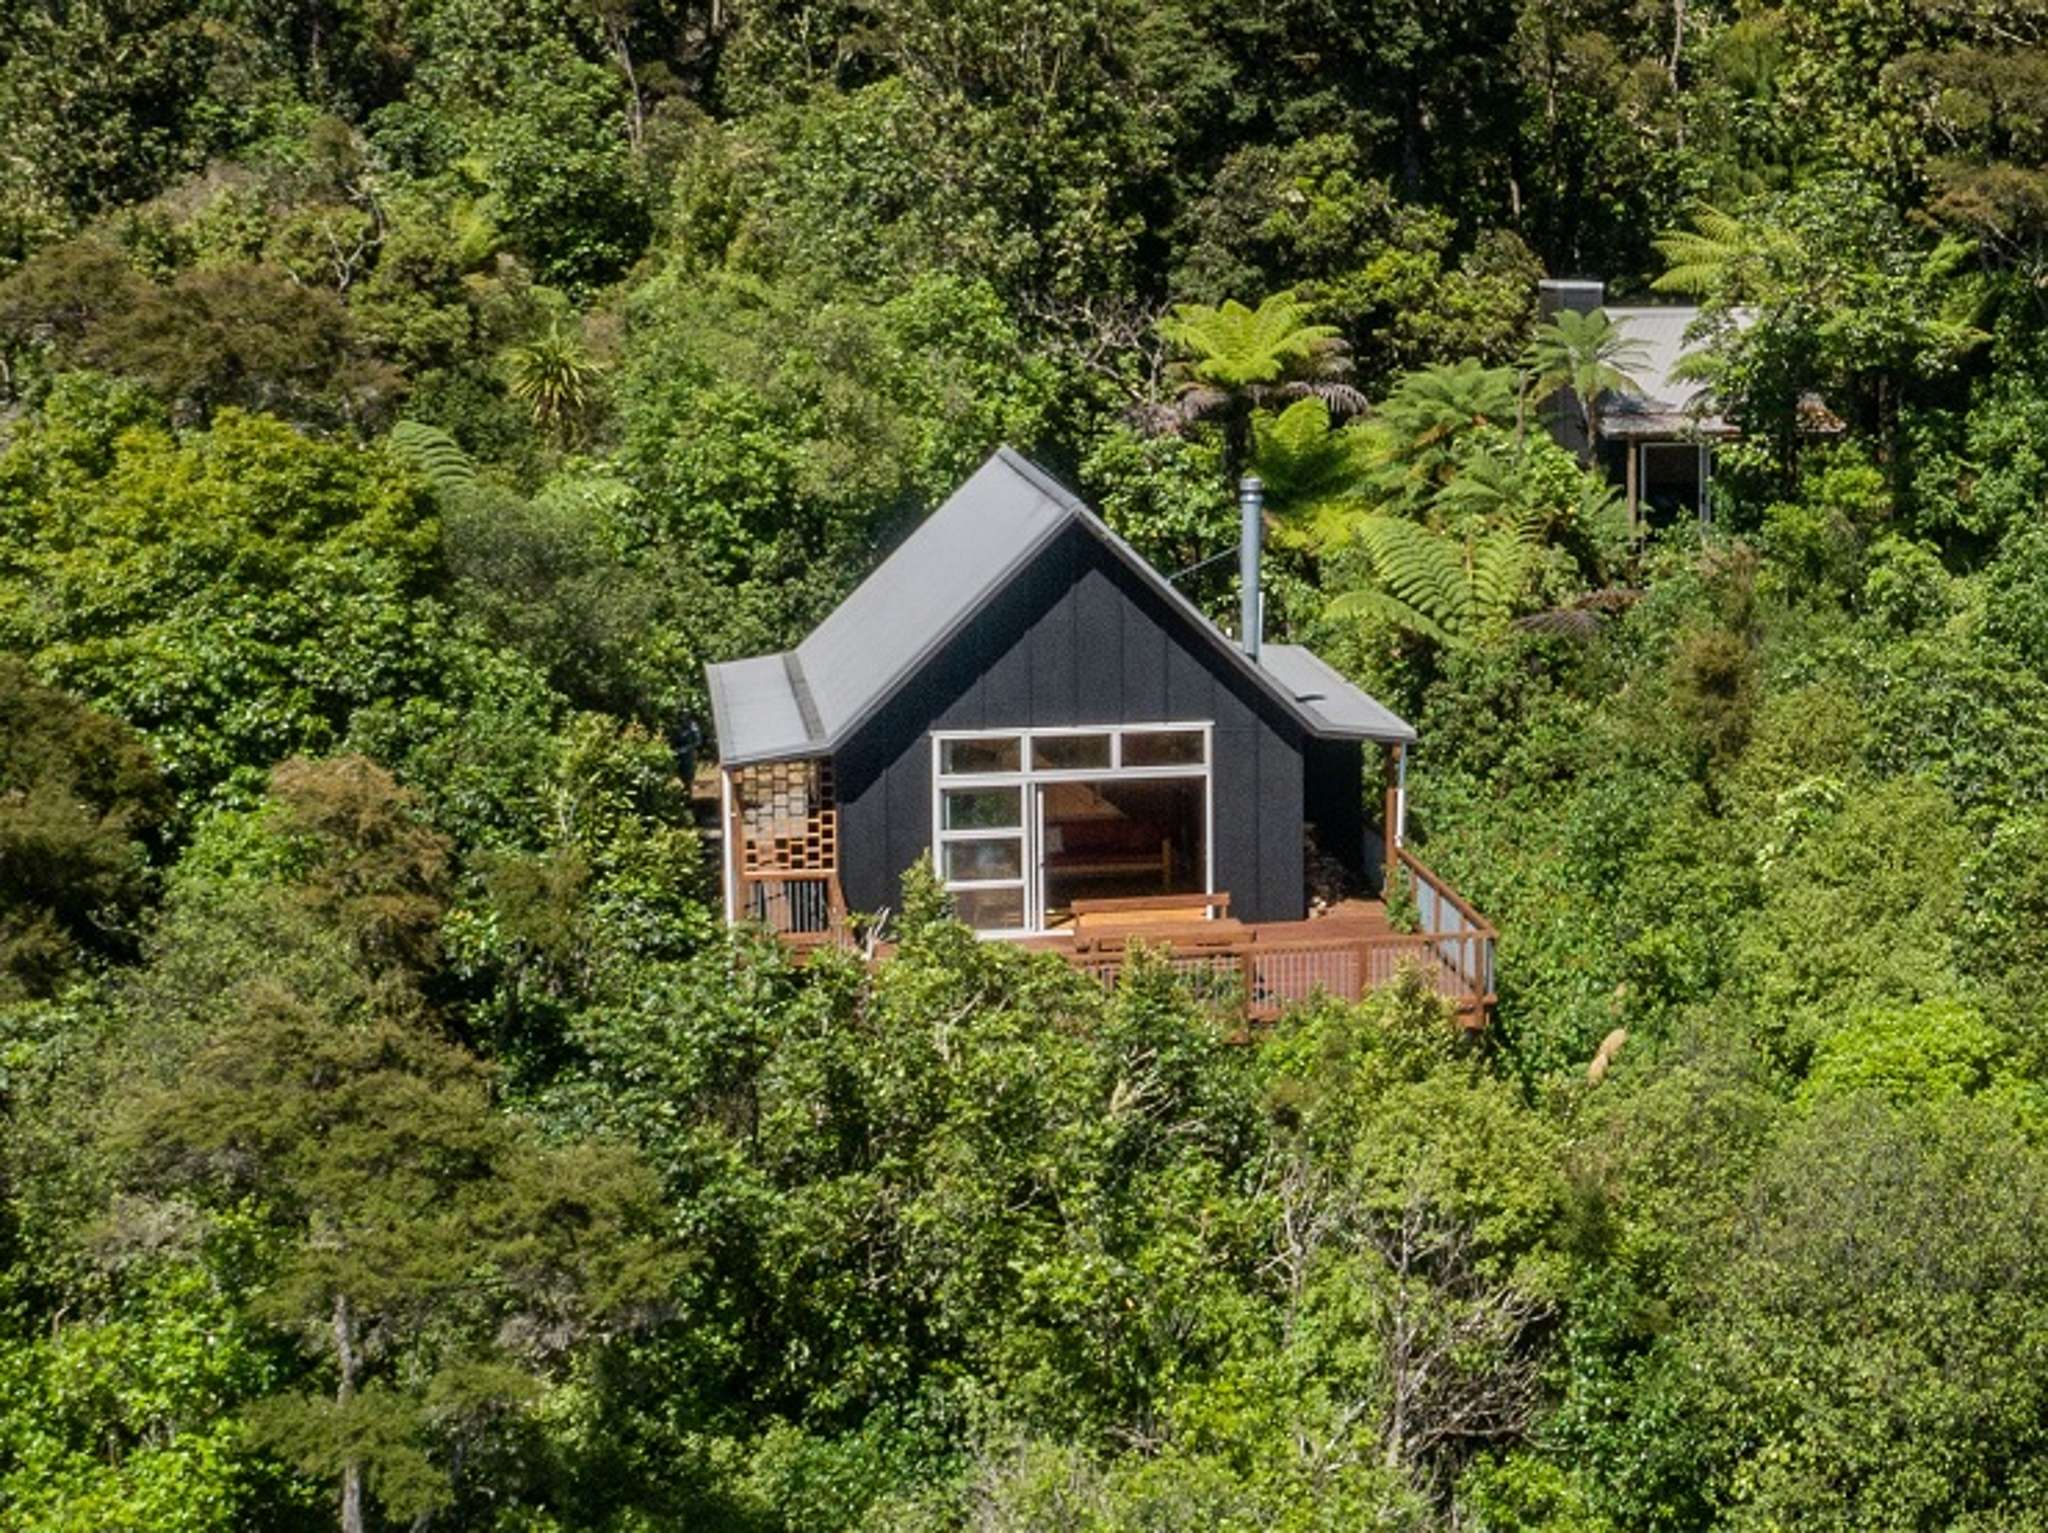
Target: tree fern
[[433, 454], [1232, 360], [1590, 355], [1720, 256], [1446, 586], [1417, 431], [1432, 407], [1310, 471], [1488, 486], [1233, 347]]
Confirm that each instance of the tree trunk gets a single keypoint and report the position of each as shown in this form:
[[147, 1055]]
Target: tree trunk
[[1677, 54], [1413, 135], [1237, 444], [636, 110], [346, 1365]]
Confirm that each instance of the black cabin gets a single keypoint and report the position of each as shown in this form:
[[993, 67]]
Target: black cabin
[[1016, 693]]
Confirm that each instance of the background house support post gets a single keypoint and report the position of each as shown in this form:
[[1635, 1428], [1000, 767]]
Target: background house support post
[[729, 845], [1631, 451], [1394, 825]]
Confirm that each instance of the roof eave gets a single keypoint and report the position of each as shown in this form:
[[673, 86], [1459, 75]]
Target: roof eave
[[722, 721], [1667, 426], [721, 724], [756, 758], [1368, 736]]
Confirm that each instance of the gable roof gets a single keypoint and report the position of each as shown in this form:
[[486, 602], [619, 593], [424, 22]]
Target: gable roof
[[809, 701], [1667, 404]]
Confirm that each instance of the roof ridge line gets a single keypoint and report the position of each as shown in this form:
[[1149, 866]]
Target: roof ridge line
[[1038, 479], [800, 689], [1043, 480], [858, 696]]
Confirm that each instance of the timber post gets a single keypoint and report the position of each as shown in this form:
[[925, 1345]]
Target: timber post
[[1395, 812]]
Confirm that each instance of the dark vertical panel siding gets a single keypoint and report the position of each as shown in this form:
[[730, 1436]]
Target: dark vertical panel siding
[[1235, 784], [1054, 656], [1078, 639], [910, 819], [1098, 649], [1192, 690], [1281, 872], [865, 846], [1145, 644], [1005, 689]]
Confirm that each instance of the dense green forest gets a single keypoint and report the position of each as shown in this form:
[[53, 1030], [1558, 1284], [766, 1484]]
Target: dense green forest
[[400, 401]]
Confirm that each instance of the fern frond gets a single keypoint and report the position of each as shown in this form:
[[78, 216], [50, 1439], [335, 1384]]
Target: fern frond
[[1419, 567], [1370, 601], [433, 454], [1500, 570]]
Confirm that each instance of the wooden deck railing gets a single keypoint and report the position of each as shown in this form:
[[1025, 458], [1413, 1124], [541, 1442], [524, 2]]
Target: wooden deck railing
[[1265, 970], [1269, 977], [1463, 938], [799, 906], [1453, 951]]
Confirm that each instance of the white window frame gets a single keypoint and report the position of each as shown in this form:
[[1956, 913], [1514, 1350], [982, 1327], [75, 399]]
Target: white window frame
[[1031, 828], [1703, 467], [1019, 833]]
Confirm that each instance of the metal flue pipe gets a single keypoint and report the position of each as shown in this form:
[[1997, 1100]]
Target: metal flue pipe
[[1251, 506]]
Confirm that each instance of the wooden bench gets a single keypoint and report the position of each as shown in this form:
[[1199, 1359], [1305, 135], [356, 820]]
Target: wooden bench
[[1181, 936], [1112, 864], [1150, 907], [1186, 919]]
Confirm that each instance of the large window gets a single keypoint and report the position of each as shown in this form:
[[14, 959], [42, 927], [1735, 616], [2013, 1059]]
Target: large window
[[1025, 822]]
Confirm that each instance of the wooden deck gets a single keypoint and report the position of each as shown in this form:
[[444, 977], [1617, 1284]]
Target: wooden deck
[[781, 825], [1268, 966], [1265, 967]]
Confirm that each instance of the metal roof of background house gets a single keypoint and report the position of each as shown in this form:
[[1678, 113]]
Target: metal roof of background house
[[1668, 405], [809, 701]]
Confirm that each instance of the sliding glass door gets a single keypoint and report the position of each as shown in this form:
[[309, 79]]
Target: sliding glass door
[[1112, 839], [1025, 822]]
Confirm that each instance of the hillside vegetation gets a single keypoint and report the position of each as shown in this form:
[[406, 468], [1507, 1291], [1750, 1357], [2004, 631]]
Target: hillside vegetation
[[399, 403]]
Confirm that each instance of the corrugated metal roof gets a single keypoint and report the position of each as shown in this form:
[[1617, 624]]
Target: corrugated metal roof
[[929, 588], [1667, 404], [1659, 330], [1345, 711], [754, 705], [809, 701]]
